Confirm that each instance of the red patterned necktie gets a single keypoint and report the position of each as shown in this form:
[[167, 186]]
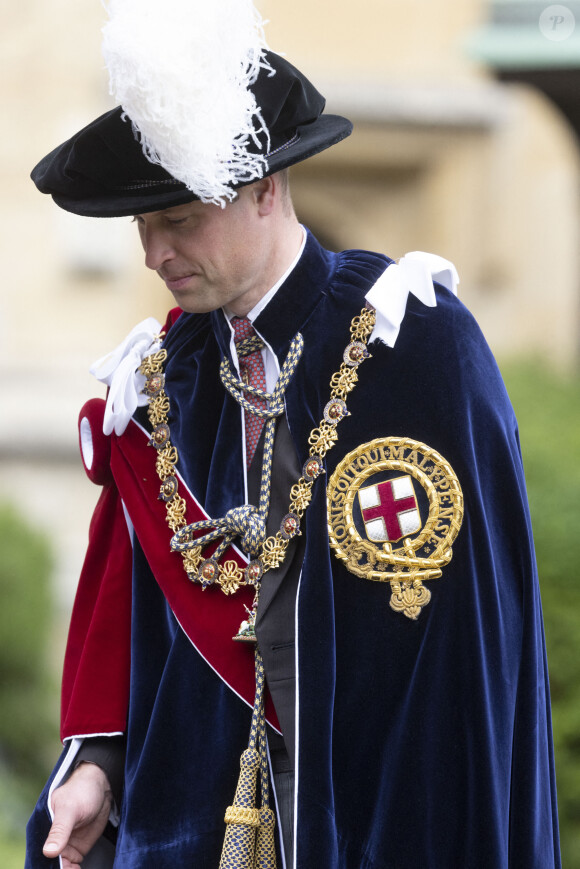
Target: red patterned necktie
[[253, 374]]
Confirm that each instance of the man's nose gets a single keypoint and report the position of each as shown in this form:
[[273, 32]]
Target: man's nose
[[157, 247]]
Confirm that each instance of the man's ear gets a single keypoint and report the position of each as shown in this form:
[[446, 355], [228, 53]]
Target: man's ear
[[266, 191]]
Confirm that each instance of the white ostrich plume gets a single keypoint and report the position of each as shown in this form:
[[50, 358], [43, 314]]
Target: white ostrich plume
[[181, 71]]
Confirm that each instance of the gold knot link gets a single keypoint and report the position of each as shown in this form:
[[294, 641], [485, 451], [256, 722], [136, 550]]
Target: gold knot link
[[192, 558], [230, 577], [300, 496], [343, 381], [322, 439], [363, 325], [273, 552], [175, 516], [152, 364], [158, 409], [166, 461]]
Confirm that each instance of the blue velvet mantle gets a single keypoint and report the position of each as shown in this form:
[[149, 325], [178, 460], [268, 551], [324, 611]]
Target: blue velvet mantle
[[421, 744]]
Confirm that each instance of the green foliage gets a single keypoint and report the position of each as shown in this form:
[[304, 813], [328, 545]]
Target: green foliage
[[25, 621], [11, 852], [14, 804], [548, 410]]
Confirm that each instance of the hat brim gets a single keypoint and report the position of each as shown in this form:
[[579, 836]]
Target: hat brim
[[128, 200]]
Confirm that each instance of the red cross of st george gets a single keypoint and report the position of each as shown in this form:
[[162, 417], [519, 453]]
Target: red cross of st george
[[389, 509]]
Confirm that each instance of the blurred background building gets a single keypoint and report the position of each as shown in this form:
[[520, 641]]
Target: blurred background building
[[467, 118]]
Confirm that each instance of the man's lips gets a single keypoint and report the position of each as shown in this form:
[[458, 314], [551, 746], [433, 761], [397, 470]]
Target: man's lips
[[177, 282]]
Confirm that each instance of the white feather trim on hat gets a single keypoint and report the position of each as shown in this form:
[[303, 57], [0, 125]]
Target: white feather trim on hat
[[181, 71]]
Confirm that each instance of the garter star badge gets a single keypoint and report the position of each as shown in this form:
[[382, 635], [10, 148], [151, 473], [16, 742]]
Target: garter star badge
[[395, 507]]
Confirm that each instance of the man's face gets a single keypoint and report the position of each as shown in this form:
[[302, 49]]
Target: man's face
[[209, 256]]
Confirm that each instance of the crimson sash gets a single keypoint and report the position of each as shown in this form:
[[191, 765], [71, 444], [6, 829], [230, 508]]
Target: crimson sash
[[97, 663]]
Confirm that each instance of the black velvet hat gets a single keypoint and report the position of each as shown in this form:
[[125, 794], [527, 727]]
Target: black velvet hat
[[102, 170]]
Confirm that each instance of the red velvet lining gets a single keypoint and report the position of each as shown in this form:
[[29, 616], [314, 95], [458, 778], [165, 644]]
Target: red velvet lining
[[209, 618], [95, 685], [97, 663]]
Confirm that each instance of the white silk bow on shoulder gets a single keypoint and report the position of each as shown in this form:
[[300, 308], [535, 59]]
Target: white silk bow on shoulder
[[414, 273], [120, 371]]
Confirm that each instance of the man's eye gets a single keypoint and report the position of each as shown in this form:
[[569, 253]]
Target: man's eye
[[177, 221]]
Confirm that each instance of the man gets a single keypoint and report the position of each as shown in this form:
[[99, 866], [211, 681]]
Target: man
[[386, 567]]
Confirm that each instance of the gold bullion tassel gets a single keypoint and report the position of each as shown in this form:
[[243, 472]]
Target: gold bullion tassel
[[242, 848], [242, 819]]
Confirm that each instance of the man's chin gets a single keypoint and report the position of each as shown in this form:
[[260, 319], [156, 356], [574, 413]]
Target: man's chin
[[192, 303]]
